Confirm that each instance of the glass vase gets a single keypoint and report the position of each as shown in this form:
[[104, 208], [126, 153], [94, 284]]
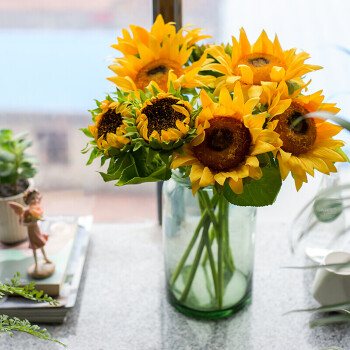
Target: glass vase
[[209, 250]]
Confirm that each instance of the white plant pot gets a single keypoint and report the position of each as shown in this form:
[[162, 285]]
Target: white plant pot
[[11, 231]]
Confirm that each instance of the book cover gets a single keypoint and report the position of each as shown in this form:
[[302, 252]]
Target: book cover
[[17, 258]]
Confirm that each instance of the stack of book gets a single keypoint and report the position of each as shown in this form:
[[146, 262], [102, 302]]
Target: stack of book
[[67, 248]]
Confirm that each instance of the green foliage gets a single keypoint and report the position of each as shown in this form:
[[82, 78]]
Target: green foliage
[[257, 193], [340, 151], [137, 167], [10, 325], [27, 291], [292, 86], [329, 314], [197, 53], [140, 160], [14, 163]]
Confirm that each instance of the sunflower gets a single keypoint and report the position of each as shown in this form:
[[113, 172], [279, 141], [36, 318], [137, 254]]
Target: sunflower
[[229, 139], [154, 58], [164, 117], [109, 125], [308, 145], [127, 45], [252, 64]]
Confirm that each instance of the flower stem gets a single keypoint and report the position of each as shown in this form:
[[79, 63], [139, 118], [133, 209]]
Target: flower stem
[[212, 264], [229, 262], [195, 264], [211, 210], [220, 253], [187, 252]]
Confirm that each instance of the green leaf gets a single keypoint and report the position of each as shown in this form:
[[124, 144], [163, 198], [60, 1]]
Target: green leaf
[[164, 156], [152, 153], [86, 132], [27, 164], [341, 152], [292, 86], [6, 156], [328, 308], [138, 145], [6, 169], [10, 325], [23, 145], [20, 136], [128, 178], [139, 171], [155, 90], [116, 167], [28, 173], [103, 160], [257, 193], [330, 320], [5, 135], [322, 266], [95, 153], [10, 179]]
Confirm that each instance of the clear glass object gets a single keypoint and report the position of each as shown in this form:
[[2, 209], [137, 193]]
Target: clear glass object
[[325, 226], [209, 250]]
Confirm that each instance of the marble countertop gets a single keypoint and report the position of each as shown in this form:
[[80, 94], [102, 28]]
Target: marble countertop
[[122, 304]]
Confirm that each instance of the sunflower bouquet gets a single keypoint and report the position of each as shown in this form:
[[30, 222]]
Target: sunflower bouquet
[[229, 118]]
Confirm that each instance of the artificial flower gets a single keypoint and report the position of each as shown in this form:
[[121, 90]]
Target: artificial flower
[[36, 211]]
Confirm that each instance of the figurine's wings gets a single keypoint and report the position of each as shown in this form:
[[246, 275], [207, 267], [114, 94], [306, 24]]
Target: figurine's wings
[[17, 208]]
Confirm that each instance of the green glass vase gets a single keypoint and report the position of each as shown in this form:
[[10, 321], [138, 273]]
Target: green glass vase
[[208, 249]]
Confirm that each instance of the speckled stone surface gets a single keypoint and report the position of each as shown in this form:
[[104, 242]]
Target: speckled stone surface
[[122, 304]]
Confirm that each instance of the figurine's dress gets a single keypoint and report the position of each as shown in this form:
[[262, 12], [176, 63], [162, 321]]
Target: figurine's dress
[[37, 239]]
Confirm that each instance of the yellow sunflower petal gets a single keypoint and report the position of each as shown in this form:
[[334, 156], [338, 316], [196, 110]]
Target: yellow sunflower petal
[[284, 169], [326, 130], [252, 161], [195, 187], [205, 99], [329, 154], [277, 73], [256, 121], [220, 178], [255, 173], [207, 178], [182, 160], [181, 110], [196, 173], [225, 98], [246, 74], [261, 147], [236, 186]]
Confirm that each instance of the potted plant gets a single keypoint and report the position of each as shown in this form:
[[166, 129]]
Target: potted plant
[[16, 170]]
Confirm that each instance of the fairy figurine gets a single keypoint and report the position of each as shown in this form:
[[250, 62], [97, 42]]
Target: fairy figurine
[[29, 217]]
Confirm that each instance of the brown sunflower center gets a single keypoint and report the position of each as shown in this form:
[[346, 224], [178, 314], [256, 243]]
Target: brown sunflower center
[[226, 144], [259, 61], [109, 123], [160, 70], [299, 138], [161, 115], [157, 71], [261, 65], [220, 139]]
